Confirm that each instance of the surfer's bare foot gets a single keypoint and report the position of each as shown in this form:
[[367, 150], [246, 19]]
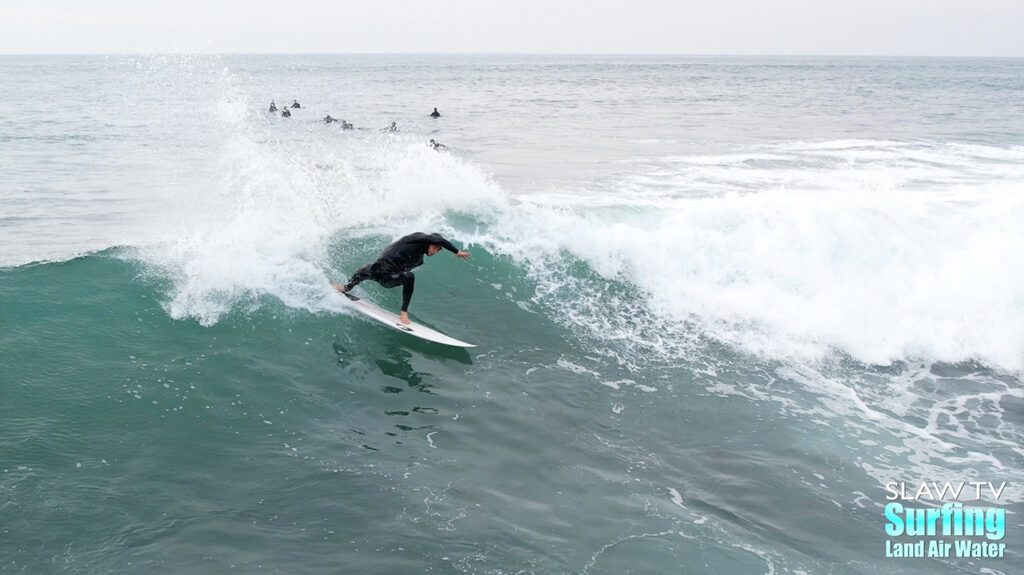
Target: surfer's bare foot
[[405, 317], [339, 287]]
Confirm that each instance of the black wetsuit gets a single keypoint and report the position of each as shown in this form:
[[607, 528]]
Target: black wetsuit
[[393, 266]]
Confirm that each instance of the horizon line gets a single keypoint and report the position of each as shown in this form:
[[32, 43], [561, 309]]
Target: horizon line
[[613, 54]]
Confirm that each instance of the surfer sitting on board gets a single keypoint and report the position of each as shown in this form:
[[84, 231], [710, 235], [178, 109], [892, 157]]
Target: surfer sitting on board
[[393, 266]]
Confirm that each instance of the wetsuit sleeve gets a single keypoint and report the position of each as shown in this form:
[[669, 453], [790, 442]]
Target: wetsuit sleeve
[[436, 239], [408, 285]]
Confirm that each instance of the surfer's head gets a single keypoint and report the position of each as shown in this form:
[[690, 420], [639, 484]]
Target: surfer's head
[[433, 249]]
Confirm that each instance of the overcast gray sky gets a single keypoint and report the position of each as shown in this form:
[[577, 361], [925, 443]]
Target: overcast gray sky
[[846, 27]]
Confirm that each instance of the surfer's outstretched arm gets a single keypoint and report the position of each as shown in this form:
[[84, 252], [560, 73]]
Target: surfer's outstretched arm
[[408, 285]]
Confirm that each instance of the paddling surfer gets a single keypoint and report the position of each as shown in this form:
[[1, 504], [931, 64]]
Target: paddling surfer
[[393, 267]]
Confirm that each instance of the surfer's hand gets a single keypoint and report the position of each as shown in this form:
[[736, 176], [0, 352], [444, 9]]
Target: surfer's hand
[[405, 317], [463, 255], [339, 287]]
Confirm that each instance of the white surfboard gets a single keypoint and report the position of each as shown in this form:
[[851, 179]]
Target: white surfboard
[[394, 321]]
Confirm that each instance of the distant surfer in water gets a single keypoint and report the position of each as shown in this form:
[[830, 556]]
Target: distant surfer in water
[[438, 145], [393, 267], [295, 104], [273, 106], [435, 114]]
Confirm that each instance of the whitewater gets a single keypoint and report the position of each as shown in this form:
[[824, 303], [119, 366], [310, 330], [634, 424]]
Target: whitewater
[[741, 295]]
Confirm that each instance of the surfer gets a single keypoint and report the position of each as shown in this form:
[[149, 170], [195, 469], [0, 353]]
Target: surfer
[[390, 129], [435, 114], [295, 104], [438, 145], [393, 267], [285, 113], [329, 120], [273, 106]]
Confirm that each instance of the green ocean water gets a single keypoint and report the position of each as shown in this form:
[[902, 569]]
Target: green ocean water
[[289, 441], [710, 329], [153, 444]]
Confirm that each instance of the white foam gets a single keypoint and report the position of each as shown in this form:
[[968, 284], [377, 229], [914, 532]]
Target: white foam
[[676, 497], [866, 257], [881, 249], [265, 226]]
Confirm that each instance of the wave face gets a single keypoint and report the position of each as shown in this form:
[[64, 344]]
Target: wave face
[[699, 305], [885, 251]]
